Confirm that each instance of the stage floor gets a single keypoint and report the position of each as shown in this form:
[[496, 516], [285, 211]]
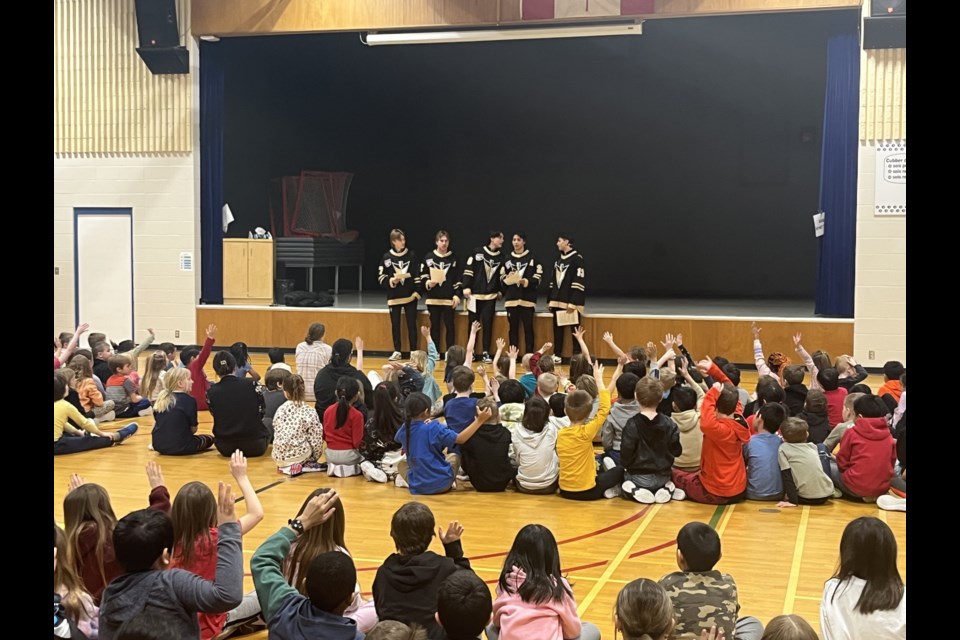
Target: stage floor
[[636, 306]]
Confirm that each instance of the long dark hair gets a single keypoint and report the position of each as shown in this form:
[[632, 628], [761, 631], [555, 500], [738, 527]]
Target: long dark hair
[[415, 405], [240, 354], [348, 388], [324, 537], [342, 349], [387, 415], [535, 551], [868, 550]]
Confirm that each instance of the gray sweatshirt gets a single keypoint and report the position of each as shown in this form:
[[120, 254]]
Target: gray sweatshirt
[[175, 594], [620, 412]]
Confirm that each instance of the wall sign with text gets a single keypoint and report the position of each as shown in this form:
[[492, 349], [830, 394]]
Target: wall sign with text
[[890, 196]]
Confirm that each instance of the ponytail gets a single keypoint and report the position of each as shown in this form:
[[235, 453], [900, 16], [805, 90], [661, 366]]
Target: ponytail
[[348, 388], [171, 384], [294, 387]]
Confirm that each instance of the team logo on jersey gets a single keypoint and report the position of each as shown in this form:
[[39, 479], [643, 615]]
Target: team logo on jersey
[[560, 271], [401, 267], [489, 266]]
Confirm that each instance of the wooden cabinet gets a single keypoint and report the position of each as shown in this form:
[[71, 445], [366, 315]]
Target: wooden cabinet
[[247, 271]]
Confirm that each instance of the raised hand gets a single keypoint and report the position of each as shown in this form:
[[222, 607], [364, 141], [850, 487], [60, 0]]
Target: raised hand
[[238, 465], [75, 481], [82, 328], [501, 344], [154, 475], [796, 340], [755, 330], [547, 346], [704, 365], [475, 327], [358, 343], [425, 331], [578, 333], [679, 339], [494, 386], [226, 505], [607, 336], [668, 341], [598, 373], [151, 332], [212, 331], [651, 350], [454, 529], [513, 352], [320, 509]]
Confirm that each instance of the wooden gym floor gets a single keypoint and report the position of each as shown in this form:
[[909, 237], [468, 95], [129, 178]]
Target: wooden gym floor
[[779, 558]]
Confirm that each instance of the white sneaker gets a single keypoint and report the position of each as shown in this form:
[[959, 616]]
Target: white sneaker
[[612, 492], [394, 356], [669, 486], [644, 496], [557, 359], [679, 494], [462, 477], [106, 417], [400, 482], [892, 503], [662, 496], [145, 412], [608, 463], [371, 473]]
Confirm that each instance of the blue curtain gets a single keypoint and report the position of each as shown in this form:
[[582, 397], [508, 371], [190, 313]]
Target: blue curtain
[[838, 178], [211, 172]]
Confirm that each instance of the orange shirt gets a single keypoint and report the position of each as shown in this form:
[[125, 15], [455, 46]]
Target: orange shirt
[[722, 469], [892, 387]]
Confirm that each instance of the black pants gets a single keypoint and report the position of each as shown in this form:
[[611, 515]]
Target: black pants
[[605, 480], [69, 443], [559, 334], [485, 312], [251, 448], [517, 316], [442, 314], [410, 310]]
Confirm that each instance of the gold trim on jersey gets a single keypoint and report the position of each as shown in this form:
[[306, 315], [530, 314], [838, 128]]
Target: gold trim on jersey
[[486, 296], [556, 304], [395, 301], [519, 303]]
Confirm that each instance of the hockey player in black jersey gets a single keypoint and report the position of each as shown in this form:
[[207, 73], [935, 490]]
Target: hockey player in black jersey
[[440, 278], [399, 274], [520, 280], [481, 283], [567, 290]]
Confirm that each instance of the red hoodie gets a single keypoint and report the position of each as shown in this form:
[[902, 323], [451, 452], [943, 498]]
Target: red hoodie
[[200, 382], [866, 457], [722, 470]]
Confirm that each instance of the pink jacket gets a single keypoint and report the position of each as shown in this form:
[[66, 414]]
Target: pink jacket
[[519, 620]]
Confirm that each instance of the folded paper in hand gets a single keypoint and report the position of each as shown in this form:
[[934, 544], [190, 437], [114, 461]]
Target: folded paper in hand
[[568, 318]]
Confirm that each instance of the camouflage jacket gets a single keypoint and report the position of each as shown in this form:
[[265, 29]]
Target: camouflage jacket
[[701, 600]]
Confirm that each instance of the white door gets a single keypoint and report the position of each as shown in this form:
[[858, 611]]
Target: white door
[[103, 251]]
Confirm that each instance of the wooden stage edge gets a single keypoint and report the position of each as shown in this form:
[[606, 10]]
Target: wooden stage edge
[[265, 327]]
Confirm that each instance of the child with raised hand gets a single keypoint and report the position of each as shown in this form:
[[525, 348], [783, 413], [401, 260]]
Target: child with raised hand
[[426, 363], [69, 439], [651, 442], [298, 434], [773, 364], [89, 522], [703, 597], [644, 611], [194, 515], [866, 597], [427, 469], [408, 582], [722, 478], [622, 410], [318, 539], [329, 581], [579, 479], [175, 415], [535, 450], [91, 398], [76, 604], [142, 540], [534, 600], [687, 402], [195, 359], [62, 355], [343, 433], [801, 468], [152, 381]]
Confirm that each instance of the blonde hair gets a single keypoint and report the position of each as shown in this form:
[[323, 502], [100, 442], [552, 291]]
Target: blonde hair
[[489, 403], [171, 385], [151, 377], [668, 377], [418, 359], [843, 364], [644, 611], [588, 383]]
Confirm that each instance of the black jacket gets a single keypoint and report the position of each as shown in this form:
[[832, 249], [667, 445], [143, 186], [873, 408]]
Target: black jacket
[[406, 587], [795, 396], [486, 458], [648, 447], [325, 386], [237, 409], [818, 427]]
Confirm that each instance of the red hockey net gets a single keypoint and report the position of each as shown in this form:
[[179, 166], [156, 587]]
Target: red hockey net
[[312, 204]]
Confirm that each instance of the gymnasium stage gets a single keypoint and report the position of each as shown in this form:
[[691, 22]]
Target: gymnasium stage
[[709, 326]]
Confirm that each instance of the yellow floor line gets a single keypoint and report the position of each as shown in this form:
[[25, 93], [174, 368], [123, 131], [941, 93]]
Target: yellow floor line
[[811, 598], [615, 563], [724, 519], [797, 557]]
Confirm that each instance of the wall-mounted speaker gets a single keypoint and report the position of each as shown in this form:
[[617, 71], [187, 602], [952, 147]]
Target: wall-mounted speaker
[[884, 8], [159, 37], [886, 28]]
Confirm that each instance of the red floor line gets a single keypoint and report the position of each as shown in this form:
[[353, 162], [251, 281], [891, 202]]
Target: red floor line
[[643, 552]]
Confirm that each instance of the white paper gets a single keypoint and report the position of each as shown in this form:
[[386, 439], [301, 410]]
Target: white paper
[[227, 217], [472, 304], [819, 219]]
